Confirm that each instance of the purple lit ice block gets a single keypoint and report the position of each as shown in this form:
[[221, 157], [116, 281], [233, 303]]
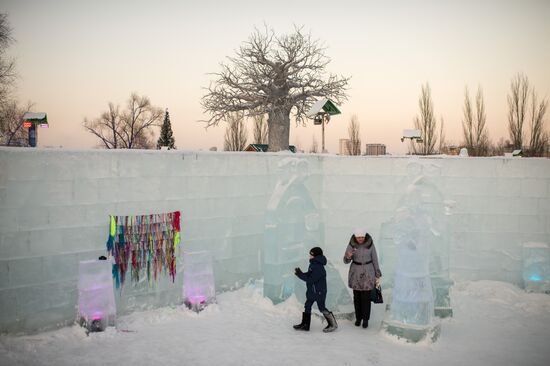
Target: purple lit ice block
[[198, 280], [96, 298]]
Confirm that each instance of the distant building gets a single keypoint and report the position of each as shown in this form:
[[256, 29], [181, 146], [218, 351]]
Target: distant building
[[375, 149], [264, 147], [344, 147]]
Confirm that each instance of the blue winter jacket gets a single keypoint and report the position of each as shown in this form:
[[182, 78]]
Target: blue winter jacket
[[315, 278]]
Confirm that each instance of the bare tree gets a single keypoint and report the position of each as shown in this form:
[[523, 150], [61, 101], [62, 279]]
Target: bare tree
[[538, 141], [235, 134], [128, 129], [277, 76], [517, 108], [426, 123], [476, 139], [12, 132], [481, 140], [7, 65], [260, 129], [468, 122], [314, 149], [354, 137], [442, 143]]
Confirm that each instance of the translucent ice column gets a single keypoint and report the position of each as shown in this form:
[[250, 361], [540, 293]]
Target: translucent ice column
[[198, 280], [96, 297], [412, 297], [292, 227], [536, 267]]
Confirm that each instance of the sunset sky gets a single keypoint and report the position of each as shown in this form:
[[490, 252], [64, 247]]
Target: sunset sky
[[74, 57]]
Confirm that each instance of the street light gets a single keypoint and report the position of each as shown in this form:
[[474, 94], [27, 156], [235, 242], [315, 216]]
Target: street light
[[321, 112]]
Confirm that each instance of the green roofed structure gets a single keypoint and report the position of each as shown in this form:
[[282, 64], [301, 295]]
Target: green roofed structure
[[321, 111], [264, 147], [30, 121]]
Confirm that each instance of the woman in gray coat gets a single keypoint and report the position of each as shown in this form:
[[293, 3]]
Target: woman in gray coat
[[364, 273]]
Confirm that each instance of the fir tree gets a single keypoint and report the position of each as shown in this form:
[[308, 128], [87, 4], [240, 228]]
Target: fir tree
[[166, 137]]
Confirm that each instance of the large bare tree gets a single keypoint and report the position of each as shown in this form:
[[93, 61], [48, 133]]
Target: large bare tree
[[277, 76], [131, 128], [7, 65], [235, 134], [517, 109], [354, 136], [260, 129], [426, 123], [538, 141]]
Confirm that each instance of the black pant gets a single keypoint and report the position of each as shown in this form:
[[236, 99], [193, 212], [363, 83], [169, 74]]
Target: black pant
[[361, 302], [319, 299]]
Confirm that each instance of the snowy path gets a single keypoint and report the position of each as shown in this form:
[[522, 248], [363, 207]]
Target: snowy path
[[494, 324]]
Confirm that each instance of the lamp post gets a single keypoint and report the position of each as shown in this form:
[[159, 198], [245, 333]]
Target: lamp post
[[321, 112]]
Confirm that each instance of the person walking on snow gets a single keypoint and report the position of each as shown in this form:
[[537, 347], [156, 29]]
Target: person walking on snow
[[316, 282], [364, 273]]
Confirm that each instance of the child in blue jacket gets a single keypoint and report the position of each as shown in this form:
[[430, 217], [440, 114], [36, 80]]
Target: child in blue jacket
[[316, 281]]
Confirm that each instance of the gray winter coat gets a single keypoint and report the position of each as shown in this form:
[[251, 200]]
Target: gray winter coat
[[362, 275]]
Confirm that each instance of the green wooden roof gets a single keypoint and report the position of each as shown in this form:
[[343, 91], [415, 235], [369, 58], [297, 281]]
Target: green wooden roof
[[264, 147]]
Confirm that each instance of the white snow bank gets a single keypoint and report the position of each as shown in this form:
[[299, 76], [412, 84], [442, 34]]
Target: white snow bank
[[494, 324]]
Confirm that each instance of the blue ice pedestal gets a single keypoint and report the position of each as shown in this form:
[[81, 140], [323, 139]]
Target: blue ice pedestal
[[536, 267]]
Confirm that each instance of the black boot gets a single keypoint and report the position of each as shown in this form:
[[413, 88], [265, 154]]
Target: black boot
[[331, 320], [306, 321]]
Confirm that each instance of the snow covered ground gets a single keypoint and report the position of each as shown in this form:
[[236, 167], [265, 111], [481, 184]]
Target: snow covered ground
[[494, 323]]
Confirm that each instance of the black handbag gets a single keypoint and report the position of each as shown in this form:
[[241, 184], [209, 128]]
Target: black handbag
[[376, 295]]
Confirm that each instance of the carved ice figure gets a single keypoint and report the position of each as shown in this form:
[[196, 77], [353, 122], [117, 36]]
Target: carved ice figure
[[412, 297], [292, 227]]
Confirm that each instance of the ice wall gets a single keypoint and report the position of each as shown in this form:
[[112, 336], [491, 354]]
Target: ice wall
[[54, 207]]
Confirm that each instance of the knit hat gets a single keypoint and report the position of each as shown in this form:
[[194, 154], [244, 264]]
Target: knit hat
[[316, 251], [360, 232]]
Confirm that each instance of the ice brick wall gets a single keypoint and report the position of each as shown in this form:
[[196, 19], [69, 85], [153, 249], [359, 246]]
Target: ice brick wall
[[496, 205], [54, 207]]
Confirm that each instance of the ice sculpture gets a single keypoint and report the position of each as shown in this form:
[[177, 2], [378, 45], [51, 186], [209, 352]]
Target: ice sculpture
[[198, 280], [423, 196], [419, 228], [412, 297], [96, 297], [536, 267], [292, 227]]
